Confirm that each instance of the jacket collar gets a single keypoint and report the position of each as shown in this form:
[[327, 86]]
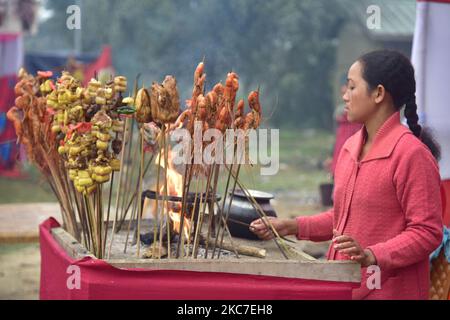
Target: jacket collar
[[384, 142]]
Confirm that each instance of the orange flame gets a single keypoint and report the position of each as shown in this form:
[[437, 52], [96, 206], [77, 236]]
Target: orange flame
[[174, 188]]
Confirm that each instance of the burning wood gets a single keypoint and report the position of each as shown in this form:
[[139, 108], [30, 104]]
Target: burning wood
[[174, 183]]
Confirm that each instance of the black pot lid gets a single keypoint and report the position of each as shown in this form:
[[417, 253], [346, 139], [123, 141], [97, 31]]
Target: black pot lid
[[255, 194]]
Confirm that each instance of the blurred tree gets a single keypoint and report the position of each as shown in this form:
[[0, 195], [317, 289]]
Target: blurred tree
[[285, 46]]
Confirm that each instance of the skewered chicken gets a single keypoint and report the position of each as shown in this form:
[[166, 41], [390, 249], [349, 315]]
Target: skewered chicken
[[253, 118], [143, 107], [165, 104], [217, 109], [239, 120], [151, 133]]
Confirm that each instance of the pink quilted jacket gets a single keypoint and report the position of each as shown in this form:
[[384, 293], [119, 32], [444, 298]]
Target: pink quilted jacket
[[390, 203]]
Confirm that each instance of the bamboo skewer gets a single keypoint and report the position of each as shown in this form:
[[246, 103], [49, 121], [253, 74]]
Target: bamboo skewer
[[165, 208], [197, 228], [202, 213], [63, 210], [51, 182], [229, 207], [215, 173], [130, 140], [99, 221], [91, 223], [200, 217], [224, 199], [140, 193], [73, 195], [128, 174], [72, 215], [128, 137], [68, 207], [183, 209], [133, 213], [232, 192], [108, 211], [119, 189], [134, 194], [85, 209], [96, 219], [101, 217], [192, 217], [158, 169], [185, 192], [221, 210], [180, 239], [59, 187], [111, 185], [248, 225], [90, 199], [80, 200], [262, 214]]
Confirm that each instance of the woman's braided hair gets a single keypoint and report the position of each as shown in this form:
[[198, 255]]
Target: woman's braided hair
[[395, 73]]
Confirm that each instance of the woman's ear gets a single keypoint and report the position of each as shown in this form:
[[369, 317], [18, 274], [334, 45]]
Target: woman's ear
[[380, 93]]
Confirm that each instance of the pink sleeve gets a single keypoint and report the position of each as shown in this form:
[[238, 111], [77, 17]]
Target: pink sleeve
[[417, 183], [316, 228]]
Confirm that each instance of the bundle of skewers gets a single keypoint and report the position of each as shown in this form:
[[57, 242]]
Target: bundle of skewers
[[216, 109], [80, 137], [33, 123], [200, 219], [67, 130]]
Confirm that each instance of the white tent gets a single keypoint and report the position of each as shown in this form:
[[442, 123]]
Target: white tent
[[431, 59]]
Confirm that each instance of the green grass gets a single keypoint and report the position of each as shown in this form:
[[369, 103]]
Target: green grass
[[286, 180], [33, 188], [305, 148], [12, 248], [302, 154]]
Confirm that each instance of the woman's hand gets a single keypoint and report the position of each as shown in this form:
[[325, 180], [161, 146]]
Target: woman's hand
[[348, 246], [283, 227]]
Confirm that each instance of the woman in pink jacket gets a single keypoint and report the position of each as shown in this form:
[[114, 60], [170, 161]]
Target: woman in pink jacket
[[387, 205]]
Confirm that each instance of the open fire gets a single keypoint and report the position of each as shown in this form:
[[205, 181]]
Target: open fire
[[174, 188]]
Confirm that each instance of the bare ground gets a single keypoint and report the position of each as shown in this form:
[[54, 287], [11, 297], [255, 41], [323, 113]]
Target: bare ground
[[19, 271]]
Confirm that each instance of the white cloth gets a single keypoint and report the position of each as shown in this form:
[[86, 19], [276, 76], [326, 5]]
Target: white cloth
[[11, 54], [431, 59]]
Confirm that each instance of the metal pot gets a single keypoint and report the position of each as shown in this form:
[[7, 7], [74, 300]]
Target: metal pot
[[242, 212]]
